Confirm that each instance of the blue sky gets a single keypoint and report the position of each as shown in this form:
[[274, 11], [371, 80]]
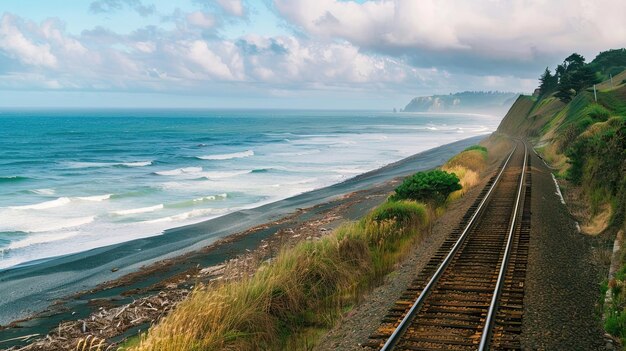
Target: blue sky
[[373, 54]]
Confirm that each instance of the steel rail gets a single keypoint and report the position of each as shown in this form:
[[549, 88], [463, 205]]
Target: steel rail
[[484, 338], [397, 333]]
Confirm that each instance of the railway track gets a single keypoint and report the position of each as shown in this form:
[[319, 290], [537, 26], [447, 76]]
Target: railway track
[[470, 294]]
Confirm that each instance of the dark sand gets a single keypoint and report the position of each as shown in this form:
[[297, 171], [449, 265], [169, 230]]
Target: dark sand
[[30, 290]]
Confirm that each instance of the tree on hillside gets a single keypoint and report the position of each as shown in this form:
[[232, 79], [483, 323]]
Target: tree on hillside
[[565, 88], [574, 62], [548, 82], [584, 77], [610, 63], [573, 77]]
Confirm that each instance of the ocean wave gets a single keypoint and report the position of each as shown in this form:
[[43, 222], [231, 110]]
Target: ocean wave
[[61, 201], [220, 175], [141, 191], [95, 198], [43, 191], [76, 165], [12, 179], [36, 224], [243, 154], [179, 171], [136, 164], [211, 212], [197, 201], [139, 210], [211, 197], [44, 205], [41, 239], [270, 169]]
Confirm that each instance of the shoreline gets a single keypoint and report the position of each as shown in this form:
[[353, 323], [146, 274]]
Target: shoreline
[[142, 264]]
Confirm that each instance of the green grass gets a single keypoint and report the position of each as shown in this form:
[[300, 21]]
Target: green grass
[[480, 148], [304, 289], [473, 158]]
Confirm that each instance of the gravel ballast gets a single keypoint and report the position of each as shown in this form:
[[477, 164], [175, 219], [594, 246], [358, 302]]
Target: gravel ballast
[[562, 278]]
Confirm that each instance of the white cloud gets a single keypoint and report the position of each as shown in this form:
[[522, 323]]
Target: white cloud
[[399, 46], [233, 7], [201, 19], [198, 52], [511, 30], [16, 44]]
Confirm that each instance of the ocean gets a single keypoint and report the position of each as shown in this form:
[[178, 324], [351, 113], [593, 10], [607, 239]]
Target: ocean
[[74, 180]]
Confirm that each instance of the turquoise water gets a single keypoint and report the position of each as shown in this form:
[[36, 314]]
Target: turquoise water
[[79, 179]]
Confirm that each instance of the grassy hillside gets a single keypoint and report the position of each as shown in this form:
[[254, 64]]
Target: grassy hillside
[[582, 136], [583, 139]]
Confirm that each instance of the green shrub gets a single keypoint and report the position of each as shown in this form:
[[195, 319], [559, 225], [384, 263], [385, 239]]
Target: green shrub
[[432, 186], [400, 211], [597, 112]]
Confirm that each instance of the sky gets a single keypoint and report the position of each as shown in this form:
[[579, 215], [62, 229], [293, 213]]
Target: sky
[[326, 54]]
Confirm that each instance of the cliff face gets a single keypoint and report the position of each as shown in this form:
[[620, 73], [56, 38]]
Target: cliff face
[[516, 119], [485, 102]]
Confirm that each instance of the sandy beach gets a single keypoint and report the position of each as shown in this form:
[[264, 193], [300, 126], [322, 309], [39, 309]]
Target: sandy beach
[[42, 294]]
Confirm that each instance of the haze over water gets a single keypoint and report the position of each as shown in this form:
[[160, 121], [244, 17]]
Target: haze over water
[[75, 180]]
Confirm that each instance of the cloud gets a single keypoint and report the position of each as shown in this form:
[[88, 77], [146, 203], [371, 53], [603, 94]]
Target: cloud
[[201, 19], [109, 6], [181, 59], [233, 7], [374, 48], [476, 35], [230, 7], [16, 44]]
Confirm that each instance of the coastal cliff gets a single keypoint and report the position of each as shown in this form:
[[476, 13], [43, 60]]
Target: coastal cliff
[[468, 101]]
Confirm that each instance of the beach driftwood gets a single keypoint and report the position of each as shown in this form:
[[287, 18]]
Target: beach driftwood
[[92, 332]]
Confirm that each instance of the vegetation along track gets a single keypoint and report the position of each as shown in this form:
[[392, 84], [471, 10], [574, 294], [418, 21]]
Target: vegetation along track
[[470, 294]]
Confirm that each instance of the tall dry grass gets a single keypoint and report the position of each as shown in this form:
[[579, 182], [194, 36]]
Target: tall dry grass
[[467, 166], [307, 286]]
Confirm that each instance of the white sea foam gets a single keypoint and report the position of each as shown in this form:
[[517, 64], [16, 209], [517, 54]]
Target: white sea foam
[[222, 175], [62, 201], [350, 171], [95, 198], [179, 171], [243, 154], [207, 212], [211, 197], [137, 164], [41, 239], [25, 222], [88, 164], [44, 205], [43, 191], [138, 210]]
